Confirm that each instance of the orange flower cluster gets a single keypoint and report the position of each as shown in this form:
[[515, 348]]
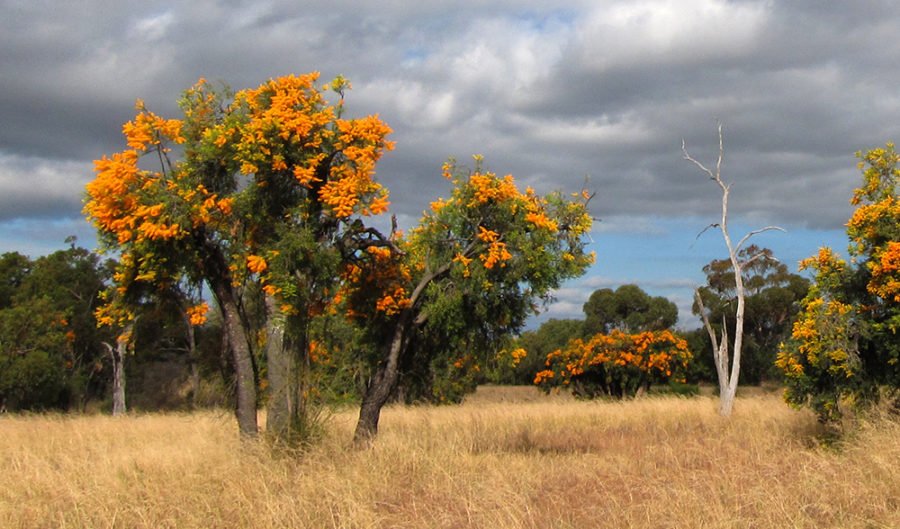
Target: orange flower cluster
[[257, 264], [112, 315], [149, 130], [362, 142], [885, 281], [136, 205], [822, 344], [291, 128], [197, 314], [537, 214], [488, 187], [517, 355], [318, 353], [383, 275], [499, 213], [496, 253], [467, 362], [873, 226], [464, 261], [657, 353]]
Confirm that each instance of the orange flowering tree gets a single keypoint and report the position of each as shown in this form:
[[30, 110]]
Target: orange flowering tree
[[256, 191], [468, 275], [846, 339], [615, 364]]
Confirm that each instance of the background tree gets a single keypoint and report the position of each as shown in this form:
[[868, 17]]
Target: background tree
[[844, 342], [47, 306], [772, 296], [14, 268], [628, 309], [33, 357], [468, 275], [728, 379], [271, 182]]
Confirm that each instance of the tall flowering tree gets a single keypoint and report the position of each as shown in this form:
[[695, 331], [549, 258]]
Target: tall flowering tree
[[257, 190], [846, 339], [473, 269]]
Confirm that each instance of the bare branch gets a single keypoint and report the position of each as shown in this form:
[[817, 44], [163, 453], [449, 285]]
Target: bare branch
[[747, 237], [713, 225], [709, 329], [689, 158], [721, 152], [757, 256]]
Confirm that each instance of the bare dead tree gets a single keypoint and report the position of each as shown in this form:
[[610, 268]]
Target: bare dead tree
[[117, 356], [728, 381]]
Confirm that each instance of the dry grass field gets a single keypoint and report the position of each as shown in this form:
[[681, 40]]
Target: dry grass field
[[508, 458]]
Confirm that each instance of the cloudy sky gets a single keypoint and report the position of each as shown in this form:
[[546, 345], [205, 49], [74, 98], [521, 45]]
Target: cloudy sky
[[556, 93]]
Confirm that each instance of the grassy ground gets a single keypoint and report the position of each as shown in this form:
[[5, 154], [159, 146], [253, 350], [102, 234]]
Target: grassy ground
[[508, 458]]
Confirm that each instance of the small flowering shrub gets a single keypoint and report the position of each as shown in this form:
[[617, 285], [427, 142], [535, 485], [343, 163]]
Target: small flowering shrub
[[615, 364]]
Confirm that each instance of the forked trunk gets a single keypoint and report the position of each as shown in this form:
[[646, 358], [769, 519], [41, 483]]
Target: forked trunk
[[728, 381], [386, 375], [381, 385]]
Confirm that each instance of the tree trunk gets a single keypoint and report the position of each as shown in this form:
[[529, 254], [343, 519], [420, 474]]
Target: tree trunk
[[118, 364], [383, 382], [245, 374], [285, 412], [381, 385], [728, 382], [193, 360]]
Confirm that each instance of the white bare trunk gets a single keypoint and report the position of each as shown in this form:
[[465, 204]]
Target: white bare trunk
[[728, 381], [117, 357]]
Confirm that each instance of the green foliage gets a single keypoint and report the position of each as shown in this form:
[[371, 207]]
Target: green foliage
[[33, 357], [844, 345], [628, 309], [449, 296], [771, 296], [48, 322], [14, 268], [505, 251]]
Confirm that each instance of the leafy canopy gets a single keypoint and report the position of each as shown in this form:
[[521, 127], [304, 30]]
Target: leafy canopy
[[844, 342]]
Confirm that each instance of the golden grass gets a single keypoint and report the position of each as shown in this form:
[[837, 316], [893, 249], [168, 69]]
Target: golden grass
[[502, 460]]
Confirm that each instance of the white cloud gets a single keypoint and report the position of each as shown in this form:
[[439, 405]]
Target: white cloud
[[651, 32], [152, 28], [32, 186]]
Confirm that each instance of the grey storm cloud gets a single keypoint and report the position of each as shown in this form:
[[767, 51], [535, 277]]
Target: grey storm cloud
[[553, 93]]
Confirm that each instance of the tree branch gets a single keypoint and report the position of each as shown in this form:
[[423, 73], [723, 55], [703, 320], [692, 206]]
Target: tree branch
[[745, 238]]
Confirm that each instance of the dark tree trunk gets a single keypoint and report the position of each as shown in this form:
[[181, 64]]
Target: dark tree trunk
[[193, 357], [235, 327], [382, 384], [244, 371]]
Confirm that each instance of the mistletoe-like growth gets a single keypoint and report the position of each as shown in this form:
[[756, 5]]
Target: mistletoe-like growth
[[265, 188], [615, 364], [845, 340], [469, 274]]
